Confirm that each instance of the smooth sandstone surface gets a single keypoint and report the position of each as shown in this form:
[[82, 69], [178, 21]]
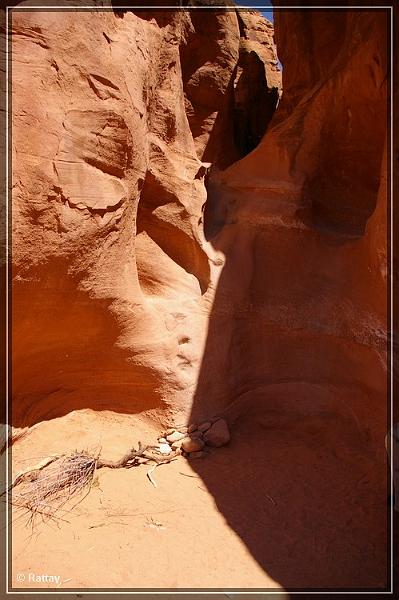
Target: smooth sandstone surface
[[113, 279]]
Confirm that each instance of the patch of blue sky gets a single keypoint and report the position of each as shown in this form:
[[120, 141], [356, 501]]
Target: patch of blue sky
[[265, 7], [260, 5]]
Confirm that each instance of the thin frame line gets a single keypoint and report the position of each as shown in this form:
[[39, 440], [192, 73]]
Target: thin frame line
[[7, 299], [392, 457], [178, 7]]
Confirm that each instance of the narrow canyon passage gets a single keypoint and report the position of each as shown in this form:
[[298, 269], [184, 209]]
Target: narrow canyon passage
[[196, 234], [295, 351]]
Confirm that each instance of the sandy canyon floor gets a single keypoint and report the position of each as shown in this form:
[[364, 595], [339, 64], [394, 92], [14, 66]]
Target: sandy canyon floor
[[279, 507]]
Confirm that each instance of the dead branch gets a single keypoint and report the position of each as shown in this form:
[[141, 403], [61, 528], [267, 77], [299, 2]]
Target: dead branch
[[47, 487]]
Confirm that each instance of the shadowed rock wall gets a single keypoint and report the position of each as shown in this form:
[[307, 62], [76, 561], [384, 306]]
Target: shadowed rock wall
[[301, 222]]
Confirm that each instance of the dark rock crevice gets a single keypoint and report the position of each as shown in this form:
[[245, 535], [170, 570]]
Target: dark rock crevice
[[231, 118], [254, 102]]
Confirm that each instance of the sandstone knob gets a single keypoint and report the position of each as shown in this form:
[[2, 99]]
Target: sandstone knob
[[218, 435], [213, 419], [191, 444], [169, 431]]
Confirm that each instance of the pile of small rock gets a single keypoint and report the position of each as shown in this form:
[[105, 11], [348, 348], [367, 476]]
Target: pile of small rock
[[192, 440]]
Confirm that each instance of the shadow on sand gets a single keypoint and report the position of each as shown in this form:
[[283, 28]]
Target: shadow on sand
[[300, 482]]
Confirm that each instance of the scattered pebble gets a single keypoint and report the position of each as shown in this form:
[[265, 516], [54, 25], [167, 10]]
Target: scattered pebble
[[182, 428], [204, 426], [192, 444], [175, 436], [165, 449], [190, 440], [169, 431], [218, 435], [177, 445]]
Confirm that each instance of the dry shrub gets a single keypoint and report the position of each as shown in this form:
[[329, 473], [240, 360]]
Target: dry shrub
[[46, 491]]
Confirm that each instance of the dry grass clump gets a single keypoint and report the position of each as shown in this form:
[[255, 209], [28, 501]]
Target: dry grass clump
[[46, 490], [48, 487]]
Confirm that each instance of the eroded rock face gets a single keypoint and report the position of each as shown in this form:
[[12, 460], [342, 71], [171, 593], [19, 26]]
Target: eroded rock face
[[340, 157], [113, 113], [302, 224], [231, 80], [257, 82], [135, 287]]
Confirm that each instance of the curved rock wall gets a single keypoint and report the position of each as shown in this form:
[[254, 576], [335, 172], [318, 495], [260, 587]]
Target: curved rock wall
[[301, 221], [113, 113], [135, 288]]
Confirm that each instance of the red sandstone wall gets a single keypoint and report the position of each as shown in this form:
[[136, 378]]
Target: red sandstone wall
[[128, 293], [113, 112]]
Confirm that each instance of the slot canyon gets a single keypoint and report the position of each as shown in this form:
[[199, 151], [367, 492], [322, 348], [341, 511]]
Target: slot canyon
[[199, 230]]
